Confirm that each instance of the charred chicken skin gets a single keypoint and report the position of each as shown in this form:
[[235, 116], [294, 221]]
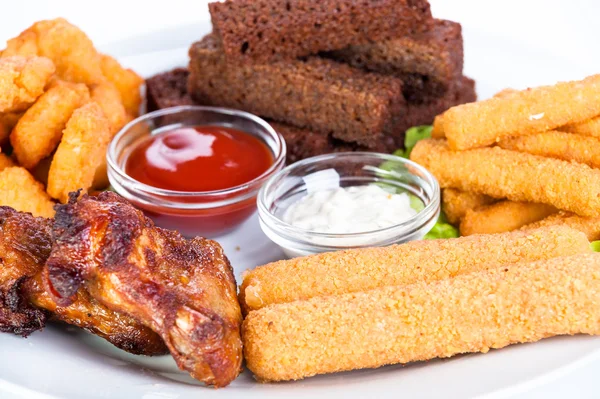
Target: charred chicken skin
[[183, 289], [25, 245]]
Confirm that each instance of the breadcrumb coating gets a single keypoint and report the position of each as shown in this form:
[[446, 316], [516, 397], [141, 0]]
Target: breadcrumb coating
[[22, 81], [367, 268], [503, 216], [66, 45], [438, 123], [437, 132], [80, 153], [521, 113], [513, 175], [39, 130], [590, 127], [456, 203], [589, 226], [108, 98], [126, 81], [469, 313], [559, 145], [5, 162], [7, 123], [19, 190]]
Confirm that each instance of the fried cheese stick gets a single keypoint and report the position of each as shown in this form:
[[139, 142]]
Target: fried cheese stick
[[589, 226], [521, 113], [456, 203], [502, 217], [560, 145], [590, 127], [368, 268], [513, 175], [438, 123], [475, 312]]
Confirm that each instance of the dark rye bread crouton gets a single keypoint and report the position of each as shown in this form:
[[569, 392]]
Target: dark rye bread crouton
[[265, 30], [305, 143], [427, 62], [167, 90], [316, 93]]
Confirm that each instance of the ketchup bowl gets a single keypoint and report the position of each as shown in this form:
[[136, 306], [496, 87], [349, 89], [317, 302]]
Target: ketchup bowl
[[195, 169]]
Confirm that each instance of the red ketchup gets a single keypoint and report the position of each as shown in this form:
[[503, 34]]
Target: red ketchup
[[199, 160]]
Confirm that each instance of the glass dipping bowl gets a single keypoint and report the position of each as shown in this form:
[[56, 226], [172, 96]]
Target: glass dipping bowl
[[205, 213], [347, 169]]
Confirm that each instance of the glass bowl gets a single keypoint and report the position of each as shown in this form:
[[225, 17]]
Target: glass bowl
[[206, 213], [391, 172]]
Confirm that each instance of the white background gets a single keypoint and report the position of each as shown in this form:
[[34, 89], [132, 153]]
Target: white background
[[568, 29]]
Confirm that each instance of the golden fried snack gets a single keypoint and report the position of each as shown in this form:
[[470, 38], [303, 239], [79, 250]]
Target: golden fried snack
[[456, 203], [438, 123], [513, 175], [437, 132], [108, 98], [81, 151], [589, 226], [39, 131], [523, 302], [23, 45], [363, 269], [526, 112], [7, 123], [560, 145], [22, 81], [503, 216], [5, 162], [19, 190], [66, 45], [590, 127], [126, 81]]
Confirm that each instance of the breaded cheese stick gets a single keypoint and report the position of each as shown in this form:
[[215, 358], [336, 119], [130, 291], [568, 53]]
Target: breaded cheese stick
[[589, 226], [363, 269], [475, 312], [526, 112], [456, 203], [513, 175], [438, 123], [560, 145], [590, 127], [503, 216]]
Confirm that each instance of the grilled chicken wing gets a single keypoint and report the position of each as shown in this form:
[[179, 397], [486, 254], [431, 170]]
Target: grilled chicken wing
[[182, 289], [25, 244]]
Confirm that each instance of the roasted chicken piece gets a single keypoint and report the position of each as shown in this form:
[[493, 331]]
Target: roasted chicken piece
[[25, 244], [182, 289]]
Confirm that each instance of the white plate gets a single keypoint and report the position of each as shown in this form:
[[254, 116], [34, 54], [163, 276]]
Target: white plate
[[63, 362]]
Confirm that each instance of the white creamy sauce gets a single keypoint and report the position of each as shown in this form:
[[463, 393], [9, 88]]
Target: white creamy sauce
[[349, 210]]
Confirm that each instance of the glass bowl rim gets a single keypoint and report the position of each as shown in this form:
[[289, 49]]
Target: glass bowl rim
[[271, 220], [277, 162]]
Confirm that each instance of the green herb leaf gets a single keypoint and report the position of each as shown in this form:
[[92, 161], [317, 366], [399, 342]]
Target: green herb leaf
[[442, 229], [416, 203], [412, 137], [595, 246]]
